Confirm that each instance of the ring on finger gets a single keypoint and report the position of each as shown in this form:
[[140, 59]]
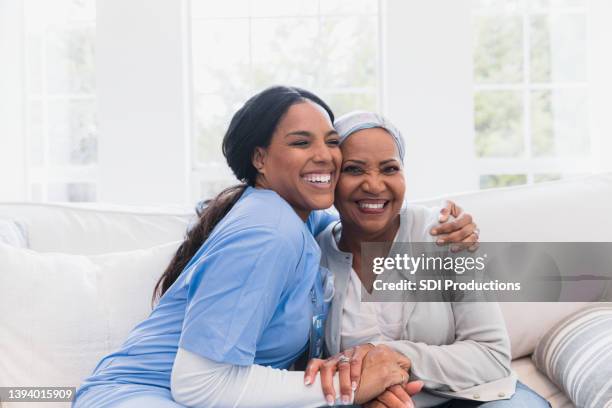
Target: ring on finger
[[343, 359]]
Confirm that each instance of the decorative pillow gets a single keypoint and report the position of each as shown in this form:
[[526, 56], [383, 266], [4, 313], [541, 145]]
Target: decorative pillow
[[61, 313], [13, 233], [576, 354]]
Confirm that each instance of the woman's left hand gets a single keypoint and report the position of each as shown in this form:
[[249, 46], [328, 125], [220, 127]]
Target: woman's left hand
[[348, 364], [462, 232]]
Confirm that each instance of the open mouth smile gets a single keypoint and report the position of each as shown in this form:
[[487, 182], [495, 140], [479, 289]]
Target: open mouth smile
[[319, 180], [372, 206]]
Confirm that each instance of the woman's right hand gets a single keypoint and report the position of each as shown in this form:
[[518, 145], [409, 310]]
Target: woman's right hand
[[397, 396], [382, 368]]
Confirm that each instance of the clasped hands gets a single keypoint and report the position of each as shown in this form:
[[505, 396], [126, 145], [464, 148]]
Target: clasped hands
[[378, 375]]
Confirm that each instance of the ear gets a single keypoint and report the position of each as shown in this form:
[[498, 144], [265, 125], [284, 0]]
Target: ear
[[259, 159]]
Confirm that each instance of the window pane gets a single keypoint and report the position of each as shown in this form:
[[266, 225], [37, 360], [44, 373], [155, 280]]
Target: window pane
[[216, 9], [288, 8], [212, 117], [540, 178], [345, 7], [73, 132], [498, 123], [498, 49], [502, 180], [558, 48], [347, 52], [74, 192], [220, 53], [540, 4], [285, 51], [559, 123], [41, 14], [342, 103], [498, 5], [70, 61]]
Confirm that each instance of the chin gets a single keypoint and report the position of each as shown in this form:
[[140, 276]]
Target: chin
[[322, 204]]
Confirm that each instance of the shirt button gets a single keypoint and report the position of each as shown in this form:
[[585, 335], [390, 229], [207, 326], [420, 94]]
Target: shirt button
[[501, 395], [476, 396]]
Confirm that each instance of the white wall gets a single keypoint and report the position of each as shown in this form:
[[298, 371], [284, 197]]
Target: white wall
[[427, 51], [143, 101], [12, 141]]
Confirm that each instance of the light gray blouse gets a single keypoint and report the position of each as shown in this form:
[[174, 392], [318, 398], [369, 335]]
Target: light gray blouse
[[459, 349]]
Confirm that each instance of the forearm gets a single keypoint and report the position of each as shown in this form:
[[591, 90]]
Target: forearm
[[479, 354], [199, 382]]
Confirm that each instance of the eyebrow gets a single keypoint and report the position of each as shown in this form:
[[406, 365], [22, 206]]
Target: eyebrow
[[364, 163], [309, 134]]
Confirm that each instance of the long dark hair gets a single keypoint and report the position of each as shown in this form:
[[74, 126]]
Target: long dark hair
[[251, 126]]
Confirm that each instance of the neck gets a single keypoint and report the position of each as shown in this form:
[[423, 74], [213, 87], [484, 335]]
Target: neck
[[351, 239], [261, 183], [352, 236]]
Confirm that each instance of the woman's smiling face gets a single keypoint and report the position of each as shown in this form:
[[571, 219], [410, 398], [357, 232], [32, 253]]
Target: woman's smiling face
[[303, 159], [371, 186]]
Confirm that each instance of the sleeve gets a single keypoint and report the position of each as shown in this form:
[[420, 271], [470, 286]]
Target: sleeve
[[234, 288], [480, 353], [320, 219], [199, 382]]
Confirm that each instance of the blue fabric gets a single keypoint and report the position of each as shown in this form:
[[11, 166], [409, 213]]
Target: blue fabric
[[244, 298], [524, 397]]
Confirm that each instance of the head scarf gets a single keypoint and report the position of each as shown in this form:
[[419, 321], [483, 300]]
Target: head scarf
[[354, 121]]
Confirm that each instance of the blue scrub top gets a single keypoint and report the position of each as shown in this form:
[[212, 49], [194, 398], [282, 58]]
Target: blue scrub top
[[244, 298]]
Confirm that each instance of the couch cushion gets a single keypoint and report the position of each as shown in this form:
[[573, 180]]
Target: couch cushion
[[96, 229], [528, 374], [547, 212], [62, 313], [526, 328], [576, 354]]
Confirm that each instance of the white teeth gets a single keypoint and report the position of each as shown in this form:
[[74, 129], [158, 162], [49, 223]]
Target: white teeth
[[373, 206], [318, 178]]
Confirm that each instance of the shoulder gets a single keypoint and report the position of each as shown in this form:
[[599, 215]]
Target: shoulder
[[417, 221], [266, 212], [325, 238]]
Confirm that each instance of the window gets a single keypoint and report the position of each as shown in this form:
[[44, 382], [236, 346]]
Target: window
[[530, 96], [238, 48], [60, 117]]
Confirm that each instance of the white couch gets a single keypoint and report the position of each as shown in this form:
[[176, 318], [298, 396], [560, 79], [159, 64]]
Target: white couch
[[55, 325]]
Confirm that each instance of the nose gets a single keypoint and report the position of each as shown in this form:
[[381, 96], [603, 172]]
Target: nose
[[373, 184], [322, 153]]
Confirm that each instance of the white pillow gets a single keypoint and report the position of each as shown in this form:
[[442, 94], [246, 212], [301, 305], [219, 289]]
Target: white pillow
[[527, 322], [60, 314], [95, 229], [13, 233]]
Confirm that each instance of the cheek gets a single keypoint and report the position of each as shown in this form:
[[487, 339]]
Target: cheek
[[343, 190], [398, 186]]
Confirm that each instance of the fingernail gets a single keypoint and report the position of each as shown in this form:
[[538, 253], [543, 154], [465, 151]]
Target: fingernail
[[307, 381], [434, 231], [346, 399], [330, 400], [354, 385], [439, 241], [409, 404]]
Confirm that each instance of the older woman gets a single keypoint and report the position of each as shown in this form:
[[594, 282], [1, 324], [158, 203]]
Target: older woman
[[460, 351]]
